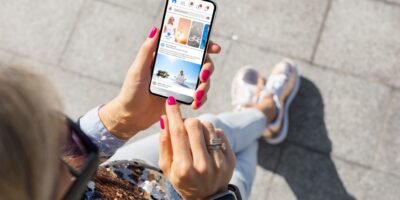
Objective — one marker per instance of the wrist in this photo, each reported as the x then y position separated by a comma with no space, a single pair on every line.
232,193
220,191
117,120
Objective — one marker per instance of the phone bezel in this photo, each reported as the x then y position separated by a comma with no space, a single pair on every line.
204,55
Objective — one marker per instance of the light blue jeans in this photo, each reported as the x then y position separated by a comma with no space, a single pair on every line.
242,130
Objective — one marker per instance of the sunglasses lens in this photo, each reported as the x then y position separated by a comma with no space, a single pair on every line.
74,152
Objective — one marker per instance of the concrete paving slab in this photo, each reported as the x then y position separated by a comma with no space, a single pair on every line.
262,184
381,186
149,6
5,57
40,30
327,114
394,1
353,128
303,174
388,156
351,176
287,26
362,37
106,41
79,94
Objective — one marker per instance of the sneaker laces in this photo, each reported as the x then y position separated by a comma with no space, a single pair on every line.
275,87
243,94
275,84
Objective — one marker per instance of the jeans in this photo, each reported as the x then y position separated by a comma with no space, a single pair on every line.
242,130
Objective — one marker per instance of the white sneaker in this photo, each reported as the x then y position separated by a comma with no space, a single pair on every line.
245,88
283,84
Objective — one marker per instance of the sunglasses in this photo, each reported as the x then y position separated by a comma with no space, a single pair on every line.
81,156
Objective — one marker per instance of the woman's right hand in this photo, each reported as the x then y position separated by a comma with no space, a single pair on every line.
195,171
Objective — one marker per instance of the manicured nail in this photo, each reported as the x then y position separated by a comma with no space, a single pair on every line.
198,104
199,95
153,32
219,132
205,75
171,101
162,123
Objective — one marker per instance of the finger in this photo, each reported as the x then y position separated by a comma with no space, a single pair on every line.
213,48
179,137
201,91
229,154
206,70
145,57
197,142
216,154
198,104
165,156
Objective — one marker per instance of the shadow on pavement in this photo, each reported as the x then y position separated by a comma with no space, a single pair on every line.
304,160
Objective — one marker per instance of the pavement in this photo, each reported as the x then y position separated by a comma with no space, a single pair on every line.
343,138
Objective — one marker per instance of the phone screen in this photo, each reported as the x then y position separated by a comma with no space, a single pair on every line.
182,47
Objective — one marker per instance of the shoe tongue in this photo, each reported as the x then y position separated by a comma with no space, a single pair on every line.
275,84
246,94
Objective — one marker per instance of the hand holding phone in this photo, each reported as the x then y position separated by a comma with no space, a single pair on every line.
134,103
181,51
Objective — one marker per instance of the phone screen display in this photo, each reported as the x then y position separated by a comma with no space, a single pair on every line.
182,48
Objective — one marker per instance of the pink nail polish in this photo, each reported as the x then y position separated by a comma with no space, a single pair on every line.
171,101
153,32
198,104
162,123
199,95
205,75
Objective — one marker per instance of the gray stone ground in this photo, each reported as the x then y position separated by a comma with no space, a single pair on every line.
344,125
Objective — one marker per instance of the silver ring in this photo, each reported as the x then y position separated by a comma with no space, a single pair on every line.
216,144
217,147
216,141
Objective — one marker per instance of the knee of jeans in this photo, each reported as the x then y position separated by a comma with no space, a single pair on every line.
217,124
210,118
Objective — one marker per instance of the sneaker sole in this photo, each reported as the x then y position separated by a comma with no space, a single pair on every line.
284,131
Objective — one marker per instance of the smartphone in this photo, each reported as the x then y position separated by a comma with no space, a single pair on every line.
181,48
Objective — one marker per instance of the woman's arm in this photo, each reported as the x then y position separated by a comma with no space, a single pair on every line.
107,143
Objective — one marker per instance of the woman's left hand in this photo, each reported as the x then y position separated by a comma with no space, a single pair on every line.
135,108
194,168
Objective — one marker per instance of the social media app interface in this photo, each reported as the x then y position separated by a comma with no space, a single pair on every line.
182,47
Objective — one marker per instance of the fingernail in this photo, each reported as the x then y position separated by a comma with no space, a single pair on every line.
162,123
198,104
199,95
153,32
205,75
219,132
171,101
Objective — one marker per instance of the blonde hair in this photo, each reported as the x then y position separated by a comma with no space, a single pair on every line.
29,136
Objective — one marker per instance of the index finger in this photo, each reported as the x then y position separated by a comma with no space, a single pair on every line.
179,137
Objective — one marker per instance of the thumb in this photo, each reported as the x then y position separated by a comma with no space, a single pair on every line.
145,57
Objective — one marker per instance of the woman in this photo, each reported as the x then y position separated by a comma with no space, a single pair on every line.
169,29
196,156
180,79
